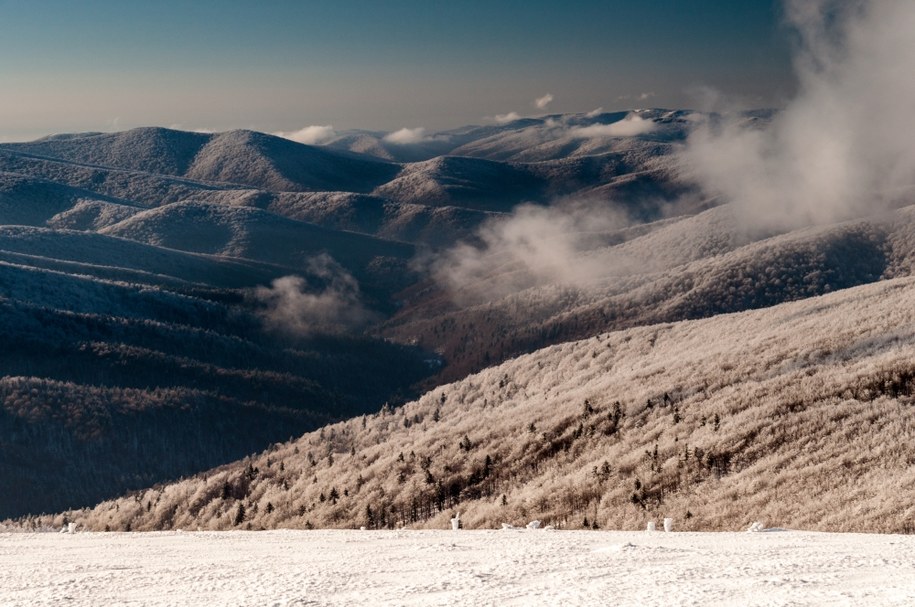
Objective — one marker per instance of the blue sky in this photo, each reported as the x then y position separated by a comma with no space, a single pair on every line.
281,65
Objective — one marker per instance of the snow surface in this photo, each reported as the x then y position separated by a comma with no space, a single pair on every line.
507,567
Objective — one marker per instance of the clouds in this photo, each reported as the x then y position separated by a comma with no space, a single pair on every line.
534,246
329,303
181,127
506,118
407,136
630,126
310,135
542,102
842,147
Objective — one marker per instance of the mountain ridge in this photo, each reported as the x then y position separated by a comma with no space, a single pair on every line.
309,284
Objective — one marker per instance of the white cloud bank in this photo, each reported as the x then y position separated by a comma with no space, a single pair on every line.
533,246
332,305
407,136
506,118
843,147
630,126
310,135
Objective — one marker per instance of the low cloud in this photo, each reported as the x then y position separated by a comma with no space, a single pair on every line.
506,118
328,302
534,246
310,135
181,127
631,125
842,147
595,112
406,136
542,102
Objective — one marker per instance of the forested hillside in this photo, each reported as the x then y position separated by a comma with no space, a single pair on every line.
800,415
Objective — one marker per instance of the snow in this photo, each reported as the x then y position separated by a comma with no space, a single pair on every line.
529,567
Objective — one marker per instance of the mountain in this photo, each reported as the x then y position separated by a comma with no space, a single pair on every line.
118,352
100,256
273,163
433,192
249,233
240,157
713,422
174,302
404,222
693,267
563,136
377,145
26,200
464,182
150,150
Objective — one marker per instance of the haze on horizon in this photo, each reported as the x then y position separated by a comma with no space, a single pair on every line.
103,65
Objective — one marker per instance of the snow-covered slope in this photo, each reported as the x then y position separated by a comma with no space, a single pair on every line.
798,415
243,157
467,568
273,163
405,222
150,149
26,200
691,267
250,233
103,256
466,182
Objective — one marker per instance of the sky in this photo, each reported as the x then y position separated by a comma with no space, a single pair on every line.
281,65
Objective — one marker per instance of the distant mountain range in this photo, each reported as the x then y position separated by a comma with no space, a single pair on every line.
173,302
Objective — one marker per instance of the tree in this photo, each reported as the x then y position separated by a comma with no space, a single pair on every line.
240,515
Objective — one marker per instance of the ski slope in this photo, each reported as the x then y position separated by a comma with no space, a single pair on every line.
505,567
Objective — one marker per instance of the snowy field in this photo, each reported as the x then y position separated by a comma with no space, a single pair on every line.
510,567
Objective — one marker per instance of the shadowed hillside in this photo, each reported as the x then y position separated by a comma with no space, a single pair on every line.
118,353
